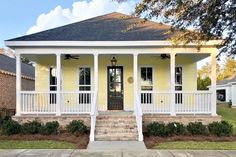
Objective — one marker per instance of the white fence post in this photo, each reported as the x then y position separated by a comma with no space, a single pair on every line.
172,84
213,84
58,74
18,84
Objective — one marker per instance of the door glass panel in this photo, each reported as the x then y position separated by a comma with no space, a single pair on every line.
118,75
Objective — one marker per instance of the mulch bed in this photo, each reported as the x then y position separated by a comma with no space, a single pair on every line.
80,141
151,141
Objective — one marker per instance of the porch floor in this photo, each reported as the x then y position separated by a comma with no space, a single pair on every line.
116,145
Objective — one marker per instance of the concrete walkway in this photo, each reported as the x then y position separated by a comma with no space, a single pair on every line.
116,145
137,153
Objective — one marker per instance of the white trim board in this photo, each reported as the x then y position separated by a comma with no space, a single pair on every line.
104,43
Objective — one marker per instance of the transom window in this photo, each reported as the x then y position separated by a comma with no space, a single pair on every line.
146,84
84,79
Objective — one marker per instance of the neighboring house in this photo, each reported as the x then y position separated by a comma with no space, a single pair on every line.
226,90
85,69
8,81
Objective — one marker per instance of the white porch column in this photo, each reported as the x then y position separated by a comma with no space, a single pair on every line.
58,74
18,84
135,77
213,84
96,74
172,84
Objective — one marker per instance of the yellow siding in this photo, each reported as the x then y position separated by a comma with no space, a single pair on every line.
161,69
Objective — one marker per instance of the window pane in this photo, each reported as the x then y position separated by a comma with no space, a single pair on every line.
81,76
118,75
149,75
87,76
143,74
53,80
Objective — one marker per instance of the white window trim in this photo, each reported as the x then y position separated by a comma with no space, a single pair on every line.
181,85
78,76
153,82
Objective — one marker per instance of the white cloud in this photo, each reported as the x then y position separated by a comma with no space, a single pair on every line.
80,10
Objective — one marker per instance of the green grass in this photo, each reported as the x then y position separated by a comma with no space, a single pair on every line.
44,144
228,114
202,145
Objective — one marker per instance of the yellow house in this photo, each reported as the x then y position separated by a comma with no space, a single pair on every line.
93,67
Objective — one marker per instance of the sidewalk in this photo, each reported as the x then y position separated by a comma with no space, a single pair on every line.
89,153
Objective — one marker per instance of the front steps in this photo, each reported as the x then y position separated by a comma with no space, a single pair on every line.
116,127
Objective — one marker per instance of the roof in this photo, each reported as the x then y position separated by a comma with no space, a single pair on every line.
227,80
8,64
110,27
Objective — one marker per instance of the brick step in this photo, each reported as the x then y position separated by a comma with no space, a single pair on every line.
116,120
115,116
115,131
122,125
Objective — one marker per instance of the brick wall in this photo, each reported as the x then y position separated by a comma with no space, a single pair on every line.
8,90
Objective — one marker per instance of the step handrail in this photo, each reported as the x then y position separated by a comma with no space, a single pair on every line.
139,118
93,114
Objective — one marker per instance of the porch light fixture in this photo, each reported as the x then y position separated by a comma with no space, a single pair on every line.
113,61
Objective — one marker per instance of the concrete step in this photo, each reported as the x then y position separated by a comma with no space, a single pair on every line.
117,137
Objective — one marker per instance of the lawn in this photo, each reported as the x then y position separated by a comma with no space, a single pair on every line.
200,145
44,144
228,114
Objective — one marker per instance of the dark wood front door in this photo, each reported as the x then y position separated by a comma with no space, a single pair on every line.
115,87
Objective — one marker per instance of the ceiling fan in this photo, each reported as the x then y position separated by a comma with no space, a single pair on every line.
164,56
68,57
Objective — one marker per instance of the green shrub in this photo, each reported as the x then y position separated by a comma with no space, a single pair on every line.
197,128
176,128
49,128
33,127
158,129
76,127
230,103
222,128
10,127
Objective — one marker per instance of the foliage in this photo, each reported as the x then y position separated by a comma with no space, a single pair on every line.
203,83
211,19
197,128
11,127
229,67
50,128
158,129
176,128
33,127
76,127
222,128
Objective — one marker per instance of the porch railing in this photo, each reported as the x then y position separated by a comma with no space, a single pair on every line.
46,102
193,102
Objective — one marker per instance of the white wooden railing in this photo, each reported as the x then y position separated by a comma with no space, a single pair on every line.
196,102
76,102
38,102
155,102
93,114
46,102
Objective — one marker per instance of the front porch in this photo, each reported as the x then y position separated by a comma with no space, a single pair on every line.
142,83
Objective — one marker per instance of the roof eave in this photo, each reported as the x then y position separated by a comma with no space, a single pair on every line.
14,44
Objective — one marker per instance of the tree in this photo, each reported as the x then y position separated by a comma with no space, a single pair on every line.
205,71
229,67
211,19
203,83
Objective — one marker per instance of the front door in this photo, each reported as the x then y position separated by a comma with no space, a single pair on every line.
115,87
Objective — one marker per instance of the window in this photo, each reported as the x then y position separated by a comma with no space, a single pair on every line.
178,85
84,79
146,84
84,85
52,84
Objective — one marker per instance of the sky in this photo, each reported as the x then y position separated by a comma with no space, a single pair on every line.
22,17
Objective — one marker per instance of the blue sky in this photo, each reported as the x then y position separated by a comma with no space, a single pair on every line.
18,16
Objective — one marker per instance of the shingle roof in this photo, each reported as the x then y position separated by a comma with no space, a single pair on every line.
9,65
109,27
228,80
